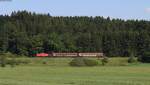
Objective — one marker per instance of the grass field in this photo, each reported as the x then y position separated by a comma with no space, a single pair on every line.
65,75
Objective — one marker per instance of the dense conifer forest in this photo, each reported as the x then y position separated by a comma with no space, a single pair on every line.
23,31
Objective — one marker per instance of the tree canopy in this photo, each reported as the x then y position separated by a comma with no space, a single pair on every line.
22,31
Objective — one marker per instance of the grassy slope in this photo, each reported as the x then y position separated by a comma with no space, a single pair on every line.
65,75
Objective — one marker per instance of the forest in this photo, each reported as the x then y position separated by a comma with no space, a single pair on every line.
23,31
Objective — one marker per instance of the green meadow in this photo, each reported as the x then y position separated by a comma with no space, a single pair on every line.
58,72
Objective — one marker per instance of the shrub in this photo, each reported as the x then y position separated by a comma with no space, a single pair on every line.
9,55
104,61
44,62
3,61
145,58
9,59
83,62
77,62
132,59
26,61
12,62
21,61
89,62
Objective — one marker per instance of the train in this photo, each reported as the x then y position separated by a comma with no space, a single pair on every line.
72,54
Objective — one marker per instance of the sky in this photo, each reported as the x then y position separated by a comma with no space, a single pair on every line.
125,9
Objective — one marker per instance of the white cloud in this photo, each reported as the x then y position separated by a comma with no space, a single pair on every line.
147,10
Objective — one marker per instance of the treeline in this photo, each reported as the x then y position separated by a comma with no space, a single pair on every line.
23,31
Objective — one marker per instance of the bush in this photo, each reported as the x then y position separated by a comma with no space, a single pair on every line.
116,61
9,55
104,60
132,59
3,61
145,58
77,62
12,62
83,62
9,59
25,61
89,62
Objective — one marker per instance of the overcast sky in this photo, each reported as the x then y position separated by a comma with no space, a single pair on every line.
125,9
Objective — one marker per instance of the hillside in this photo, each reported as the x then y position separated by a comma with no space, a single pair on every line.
22,31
